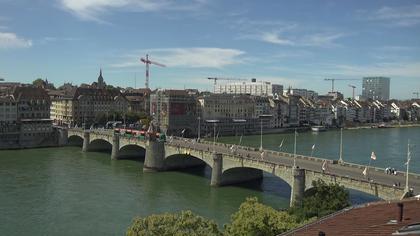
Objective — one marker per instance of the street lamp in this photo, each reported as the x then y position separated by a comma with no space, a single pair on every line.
408,164
341,146
294,151
214,132
199,125
261,131
238,121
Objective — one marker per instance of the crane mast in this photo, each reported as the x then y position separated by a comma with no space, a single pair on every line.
147,62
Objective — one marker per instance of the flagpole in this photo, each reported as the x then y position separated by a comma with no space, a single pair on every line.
367,170
294,151
408,164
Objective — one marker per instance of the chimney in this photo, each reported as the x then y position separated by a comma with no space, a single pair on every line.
400,211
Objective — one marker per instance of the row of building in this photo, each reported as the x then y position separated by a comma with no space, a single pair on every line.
181,112
244,107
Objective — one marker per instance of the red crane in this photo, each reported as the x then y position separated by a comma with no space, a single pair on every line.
148,62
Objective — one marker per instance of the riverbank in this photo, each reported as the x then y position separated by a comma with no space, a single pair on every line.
386,125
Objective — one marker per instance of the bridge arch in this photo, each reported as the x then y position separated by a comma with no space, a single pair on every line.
100,145
131,150
180,161
243,174
75,140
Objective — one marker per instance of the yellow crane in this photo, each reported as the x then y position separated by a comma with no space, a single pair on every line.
333,80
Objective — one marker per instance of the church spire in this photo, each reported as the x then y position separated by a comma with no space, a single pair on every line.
101,83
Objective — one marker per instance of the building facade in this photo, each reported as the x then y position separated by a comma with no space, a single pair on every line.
257,88
87,106
376,88
174,112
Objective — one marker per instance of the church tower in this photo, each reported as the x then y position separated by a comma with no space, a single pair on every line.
101,83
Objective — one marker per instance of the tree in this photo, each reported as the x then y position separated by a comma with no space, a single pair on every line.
254,218
168,224
38,82
321,200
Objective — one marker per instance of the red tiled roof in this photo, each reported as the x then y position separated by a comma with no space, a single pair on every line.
369,219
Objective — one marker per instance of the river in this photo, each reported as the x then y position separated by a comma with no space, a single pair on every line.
63,191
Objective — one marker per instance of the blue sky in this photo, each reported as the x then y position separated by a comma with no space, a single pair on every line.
294,43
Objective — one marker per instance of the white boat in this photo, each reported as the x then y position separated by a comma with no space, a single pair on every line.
318,128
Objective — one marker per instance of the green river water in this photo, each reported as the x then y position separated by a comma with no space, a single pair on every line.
62,191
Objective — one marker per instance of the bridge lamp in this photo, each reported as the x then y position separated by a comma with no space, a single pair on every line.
262,117
238,121
214,132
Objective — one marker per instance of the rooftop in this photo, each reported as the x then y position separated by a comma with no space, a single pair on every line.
379,218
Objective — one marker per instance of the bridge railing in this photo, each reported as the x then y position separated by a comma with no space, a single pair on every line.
316,159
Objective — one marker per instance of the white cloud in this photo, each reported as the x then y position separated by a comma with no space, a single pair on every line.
188,57
309,40
92,9
404,16
11,40
271,37
322,39
385,69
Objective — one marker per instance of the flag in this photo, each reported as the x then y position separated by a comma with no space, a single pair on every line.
408,160
313,147
365,171
262,155
373,156
281,144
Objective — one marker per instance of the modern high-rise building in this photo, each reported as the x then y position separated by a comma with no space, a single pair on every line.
257,88
376,88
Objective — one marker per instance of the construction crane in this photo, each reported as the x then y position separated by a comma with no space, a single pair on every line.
353,87
416,93
332,82
219,78
147,62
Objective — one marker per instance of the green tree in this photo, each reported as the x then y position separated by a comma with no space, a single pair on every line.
38,82
321,200
169,224
254,218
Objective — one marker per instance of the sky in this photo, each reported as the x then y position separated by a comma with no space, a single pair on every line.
293,43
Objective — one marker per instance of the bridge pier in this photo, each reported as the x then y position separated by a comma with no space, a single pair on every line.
115,146
155,156
62,137
217,170
86,141
298,187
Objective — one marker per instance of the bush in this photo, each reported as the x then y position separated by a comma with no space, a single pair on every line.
169,224
321,200
254,218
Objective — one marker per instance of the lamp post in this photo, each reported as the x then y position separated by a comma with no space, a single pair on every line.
261,131
408,165
238,121
341,146
199,126
214,133
294,151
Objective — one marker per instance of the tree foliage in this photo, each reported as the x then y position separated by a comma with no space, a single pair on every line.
254,218
38,82
321,200
169,224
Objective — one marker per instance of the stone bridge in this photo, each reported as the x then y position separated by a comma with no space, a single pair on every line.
242,164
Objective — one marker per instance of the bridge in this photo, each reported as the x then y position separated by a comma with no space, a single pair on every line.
241,164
